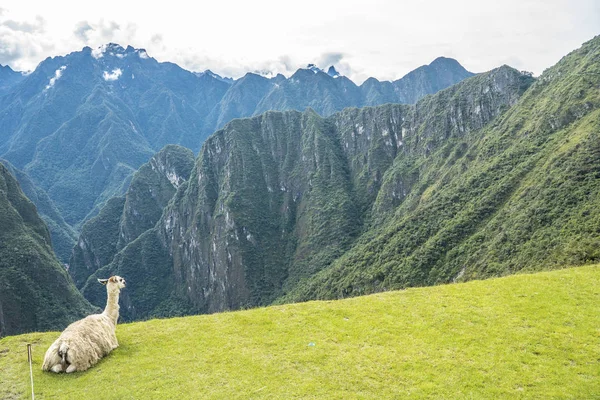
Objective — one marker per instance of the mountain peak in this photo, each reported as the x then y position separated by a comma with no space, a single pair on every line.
313,68
6,68
116,50
218,77
446,61
333,72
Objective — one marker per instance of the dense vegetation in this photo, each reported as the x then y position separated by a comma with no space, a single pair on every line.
80,125
491,176
521,193
123,219
63,235
36,292
276,198
520,337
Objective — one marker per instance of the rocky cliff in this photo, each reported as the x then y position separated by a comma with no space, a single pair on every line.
277,198
125,218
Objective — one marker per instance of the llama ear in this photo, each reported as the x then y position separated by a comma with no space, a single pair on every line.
103,281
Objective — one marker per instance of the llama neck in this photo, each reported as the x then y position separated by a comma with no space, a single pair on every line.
112,306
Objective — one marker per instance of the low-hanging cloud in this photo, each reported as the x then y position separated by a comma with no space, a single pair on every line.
102,31
82,29
21,41
39,26
57,75
112,76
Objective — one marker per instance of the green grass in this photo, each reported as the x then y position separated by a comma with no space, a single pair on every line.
523,336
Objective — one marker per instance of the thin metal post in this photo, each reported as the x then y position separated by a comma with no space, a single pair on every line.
30,359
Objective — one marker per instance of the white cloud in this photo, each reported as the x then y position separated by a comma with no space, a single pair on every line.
112,76
57,74
385,39
23,42
99,51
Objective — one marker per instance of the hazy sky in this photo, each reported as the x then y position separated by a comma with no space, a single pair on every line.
380,38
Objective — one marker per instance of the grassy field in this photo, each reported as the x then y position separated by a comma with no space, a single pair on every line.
523,336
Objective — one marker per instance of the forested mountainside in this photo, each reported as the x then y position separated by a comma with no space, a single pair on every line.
274,199
8,78
63,235
36,293
124,218
81,124
521,193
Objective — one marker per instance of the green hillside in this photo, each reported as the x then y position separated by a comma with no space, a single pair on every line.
521,193
36,293
524,336
272,200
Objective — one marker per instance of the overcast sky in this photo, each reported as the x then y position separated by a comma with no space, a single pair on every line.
380,38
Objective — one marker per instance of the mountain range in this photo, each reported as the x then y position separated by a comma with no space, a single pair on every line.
494,175
79,125
274,199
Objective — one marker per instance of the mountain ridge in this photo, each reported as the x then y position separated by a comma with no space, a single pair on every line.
212,241
491,176
111,108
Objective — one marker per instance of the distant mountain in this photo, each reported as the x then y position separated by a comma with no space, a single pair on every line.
8,78
429,79
109,110
494,175
63,235
80,125
123,219
213,75
275,199
329,92
36,293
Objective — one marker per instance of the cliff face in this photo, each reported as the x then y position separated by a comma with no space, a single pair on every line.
274,199
123,219
519,194
63,235
36,292
153,185
111,108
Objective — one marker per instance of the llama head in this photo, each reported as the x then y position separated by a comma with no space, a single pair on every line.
113,283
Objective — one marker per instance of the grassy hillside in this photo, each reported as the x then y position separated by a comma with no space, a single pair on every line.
524,336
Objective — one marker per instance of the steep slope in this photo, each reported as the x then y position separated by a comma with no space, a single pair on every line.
36,292
312,88
63,235
8,78
522,192
428,79
123,219
519,337
327,93
110,109
276,198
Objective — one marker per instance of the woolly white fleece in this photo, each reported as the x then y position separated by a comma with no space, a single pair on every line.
86,341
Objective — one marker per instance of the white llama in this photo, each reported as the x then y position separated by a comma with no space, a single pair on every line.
86,341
